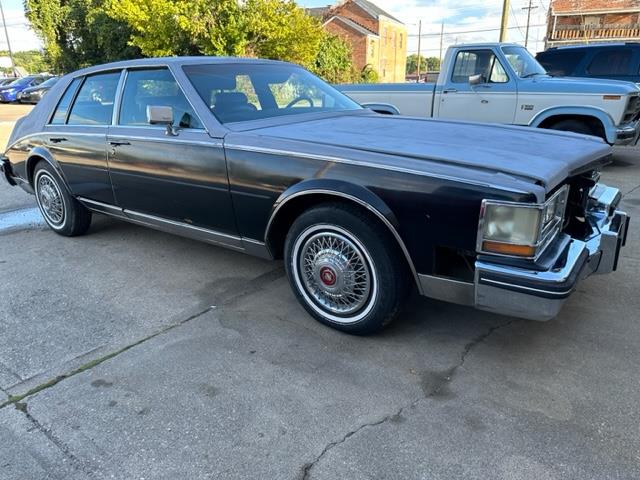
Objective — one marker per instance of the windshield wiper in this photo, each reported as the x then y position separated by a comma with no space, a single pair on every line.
532,74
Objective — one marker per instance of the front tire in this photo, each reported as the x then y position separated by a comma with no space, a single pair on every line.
574,126
63,214
345,269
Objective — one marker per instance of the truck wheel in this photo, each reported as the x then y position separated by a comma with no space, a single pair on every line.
575,126
345,269
63,213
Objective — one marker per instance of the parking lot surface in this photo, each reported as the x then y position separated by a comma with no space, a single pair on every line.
131,354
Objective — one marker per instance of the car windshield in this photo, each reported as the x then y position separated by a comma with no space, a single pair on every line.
522,62
21,81
49,83
240,92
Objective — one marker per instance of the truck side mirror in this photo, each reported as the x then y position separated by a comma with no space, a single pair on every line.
476,79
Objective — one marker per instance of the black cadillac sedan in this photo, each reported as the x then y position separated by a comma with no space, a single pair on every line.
264,158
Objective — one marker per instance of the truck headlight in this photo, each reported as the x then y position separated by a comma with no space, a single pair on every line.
520,229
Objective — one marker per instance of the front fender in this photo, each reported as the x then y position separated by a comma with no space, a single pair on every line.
595,112
339,189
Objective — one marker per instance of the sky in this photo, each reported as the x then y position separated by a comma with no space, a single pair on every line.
461,16
20,34
457,15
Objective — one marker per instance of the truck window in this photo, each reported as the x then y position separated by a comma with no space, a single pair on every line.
478,62
560,63
611,61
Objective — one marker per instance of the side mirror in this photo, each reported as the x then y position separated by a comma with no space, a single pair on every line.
476,79
162,115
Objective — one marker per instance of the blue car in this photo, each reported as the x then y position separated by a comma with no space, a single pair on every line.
9,93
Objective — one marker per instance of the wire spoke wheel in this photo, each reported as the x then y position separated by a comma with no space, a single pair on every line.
336,272
50,199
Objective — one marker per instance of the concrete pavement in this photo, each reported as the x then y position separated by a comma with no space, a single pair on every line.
144,355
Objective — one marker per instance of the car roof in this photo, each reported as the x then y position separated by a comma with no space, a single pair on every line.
165,61
594,45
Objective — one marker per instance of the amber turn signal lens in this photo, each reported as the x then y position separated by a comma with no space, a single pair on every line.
509,249
611,97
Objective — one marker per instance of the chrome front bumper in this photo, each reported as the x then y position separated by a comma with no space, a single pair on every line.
628,134
539,295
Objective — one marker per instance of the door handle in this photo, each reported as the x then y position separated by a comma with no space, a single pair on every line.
57,139
450,90
118,143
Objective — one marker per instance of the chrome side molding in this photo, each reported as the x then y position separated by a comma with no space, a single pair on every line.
233,242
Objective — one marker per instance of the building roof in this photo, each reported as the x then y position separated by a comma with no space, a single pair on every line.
374,10
350,23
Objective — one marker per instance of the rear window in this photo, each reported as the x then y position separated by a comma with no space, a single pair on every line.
94,103
560,63
612,61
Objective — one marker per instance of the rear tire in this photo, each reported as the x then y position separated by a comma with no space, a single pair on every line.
63,214
345,269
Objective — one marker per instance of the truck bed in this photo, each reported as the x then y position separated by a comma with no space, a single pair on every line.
414,99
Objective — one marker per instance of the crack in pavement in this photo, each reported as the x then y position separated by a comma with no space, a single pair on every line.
631,191
445,379
226,298
59,444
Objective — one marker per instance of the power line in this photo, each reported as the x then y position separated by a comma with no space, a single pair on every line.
470,31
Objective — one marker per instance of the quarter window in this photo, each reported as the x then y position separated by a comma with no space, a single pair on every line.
155,87
478,62
60,115
94,103
611,62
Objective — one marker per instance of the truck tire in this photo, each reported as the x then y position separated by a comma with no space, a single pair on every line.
575,126
63,214
345,269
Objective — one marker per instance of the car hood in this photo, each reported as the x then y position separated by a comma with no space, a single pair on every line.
547,84
543,157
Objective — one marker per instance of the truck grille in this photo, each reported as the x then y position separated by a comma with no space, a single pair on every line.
632,113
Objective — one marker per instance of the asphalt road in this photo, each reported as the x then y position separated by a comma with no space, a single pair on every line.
145,355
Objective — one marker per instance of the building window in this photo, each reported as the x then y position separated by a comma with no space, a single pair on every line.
592,20
400,40
373,48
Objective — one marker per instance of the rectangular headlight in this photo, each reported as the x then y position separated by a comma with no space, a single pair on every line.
520,229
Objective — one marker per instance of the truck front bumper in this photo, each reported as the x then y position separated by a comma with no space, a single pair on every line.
539,295
628,133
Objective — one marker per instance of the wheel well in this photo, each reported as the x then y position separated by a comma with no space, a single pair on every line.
31,166
295,207
594,124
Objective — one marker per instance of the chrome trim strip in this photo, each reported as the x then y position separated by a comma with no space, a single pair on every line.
185,229
384,220
101,207
212,143
448,289
327,158
117,102
530,289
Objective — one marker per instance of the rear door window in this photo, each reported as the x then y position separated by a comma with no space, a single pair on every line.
612,61
94,103
60,114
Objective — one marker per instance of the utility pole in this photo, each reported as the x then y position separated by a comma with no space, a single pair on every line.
526,35
505,20
419,39
6,34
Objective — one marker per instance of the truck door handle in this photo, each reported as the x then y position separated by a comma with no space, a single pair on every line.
118,143
450,90
57,139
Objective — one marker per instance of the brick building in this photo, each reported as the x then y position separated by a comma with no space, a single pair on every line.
583,21
376,37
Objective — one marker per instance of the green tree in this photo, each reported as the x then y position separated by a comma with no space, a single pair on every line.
77,33
33,61
426,64
333,60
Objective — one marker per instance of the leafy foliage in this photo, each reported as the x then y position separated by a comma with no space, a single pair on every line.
431,64
33,61
77,33
333,61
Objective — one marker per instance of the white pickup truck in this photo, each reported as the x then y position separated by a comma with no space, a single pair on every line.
503,83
